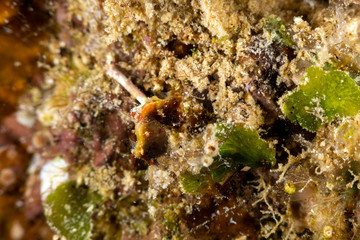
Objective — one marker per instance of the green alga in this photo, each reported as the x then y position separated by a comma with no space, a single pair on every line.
69,209
239,146
321,97
278,31
193,183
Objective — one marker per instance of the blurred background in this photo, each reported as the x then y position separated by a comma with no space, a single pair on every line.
25,26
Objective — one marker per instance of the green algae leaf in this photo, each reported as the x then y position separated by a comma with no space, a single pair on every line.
244,145
69,210
193,183
239,146
222,168
322,97
297,109
278,31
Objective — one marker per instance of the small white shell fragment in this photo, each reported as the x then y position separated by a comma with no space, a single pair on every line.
52,174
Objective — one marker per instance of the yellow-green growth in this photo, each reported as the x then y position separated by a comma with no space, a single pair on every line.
244,145
222,168
69,209
278,31
322,97
193,183
290,188
240,146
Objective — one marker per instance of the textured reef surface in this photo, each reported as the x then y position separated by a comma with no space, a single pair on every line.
185,119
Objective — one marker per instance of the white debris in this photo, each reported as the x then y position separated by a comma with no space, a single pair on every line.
160,179
52,175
